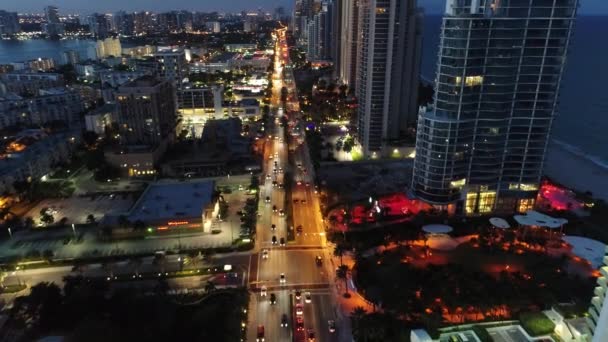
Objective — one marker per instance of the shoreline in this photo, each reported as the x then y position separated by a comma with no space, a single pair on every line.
575,170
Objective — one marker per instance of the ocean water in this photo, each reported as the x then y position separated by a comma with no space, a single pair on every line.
581,126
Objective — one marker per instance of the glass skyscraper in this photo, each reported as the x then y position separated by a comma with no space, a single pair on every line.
481,146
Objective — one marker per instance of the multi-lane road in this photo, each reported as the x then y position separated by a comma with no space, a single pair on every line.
293,182
296,260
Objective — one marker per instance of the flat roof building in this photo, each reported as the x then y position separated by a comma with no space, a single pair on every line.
167,205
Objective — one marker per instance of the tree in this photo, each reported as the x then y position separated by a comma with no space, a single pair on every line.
139,225
46,217
342,273
123,221
42,306
91,219
356,317
284,93
339,250
48,255
93,159
210,286
89,138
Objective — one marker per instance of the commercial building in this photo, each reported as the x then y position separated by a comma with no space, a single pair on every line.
166,206
9,23
390,40
481,146
241,47
146,111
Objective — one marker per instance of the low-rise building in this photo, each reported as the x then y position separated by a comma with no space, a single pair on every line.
170,205
51,105
30,82
86,70
139,51
243,47
32,154
139,161
101,118
40,64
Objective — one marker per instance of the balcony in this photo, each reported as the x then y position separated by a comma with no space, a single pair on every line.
604,271
597,303
590,322
599,292
594,314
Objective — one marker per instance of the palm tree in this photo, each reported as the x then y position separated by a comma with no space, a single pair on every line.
210,286
356,317
343,274
339,251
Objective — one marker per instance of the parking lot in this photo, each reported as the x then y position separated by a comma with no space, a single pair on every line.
85,242
76,209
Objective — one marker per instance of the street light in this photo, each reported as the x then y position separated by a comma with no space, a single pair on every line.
10,233
74,230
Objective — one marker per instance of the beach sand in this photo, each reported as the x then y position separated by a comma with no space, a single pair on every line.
576,172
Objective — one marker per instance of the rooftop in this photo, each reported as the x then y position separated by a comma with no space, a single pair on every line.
143,81
173,200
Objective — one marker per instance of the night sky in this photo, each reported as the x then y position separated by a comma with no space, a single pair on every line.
599,7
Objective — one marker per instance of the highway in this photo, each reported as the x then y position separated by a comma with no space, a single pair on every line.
296,259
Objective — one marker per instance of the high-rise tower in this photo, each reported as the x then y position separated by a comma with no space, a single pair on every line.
389,48
481,146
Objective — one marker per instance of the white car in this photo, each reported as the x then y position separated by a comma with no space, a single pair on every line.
299,310
307,297
264,291
282,279
264,254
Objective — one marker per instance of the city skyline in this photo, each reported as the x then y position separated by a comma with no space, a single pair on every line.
431,7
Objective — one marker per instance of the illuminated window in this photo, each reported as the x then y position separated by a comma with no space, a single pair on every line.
528,187
525,204
458,183
486,201
470,204
380,10
494,130
513,186
470,80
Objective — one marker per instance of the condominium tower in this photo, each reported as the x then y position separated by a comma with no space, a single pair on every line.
389,48
146,111
481,146
347,20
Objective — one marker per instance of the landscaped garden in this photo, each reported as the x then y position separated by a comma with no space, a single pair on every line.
479,280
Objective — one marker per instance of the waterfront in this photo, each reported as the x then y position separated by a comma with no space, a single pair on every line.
579,129
18,50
